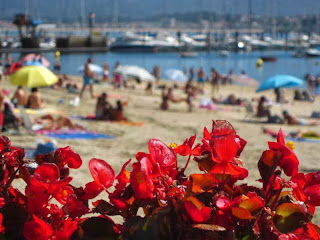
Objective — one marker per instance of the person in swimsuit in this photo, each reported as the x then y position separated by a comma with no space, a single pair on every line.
35,100
292,120
87,78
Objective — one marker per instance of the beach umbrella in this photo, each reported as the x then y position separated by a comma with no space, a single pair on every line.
33,76
32,63
175,75
135,71
244,80
280,81
93,68
33,59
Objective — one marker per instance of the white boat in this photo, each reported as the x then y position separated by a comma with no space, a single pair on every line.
312,52
131,42
190,44
188,54
224,53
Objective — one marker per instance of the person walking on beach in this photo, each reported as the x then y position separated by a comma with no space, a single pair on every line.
214,81
201,78
105,76
87,78
157,73
191,74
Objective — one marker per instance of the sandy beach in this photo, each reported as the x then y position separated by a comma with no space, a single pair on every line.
173,125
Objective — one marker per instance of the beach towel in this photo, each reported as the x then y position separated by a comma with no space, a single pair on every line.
304,139
289,138
123,122
74,134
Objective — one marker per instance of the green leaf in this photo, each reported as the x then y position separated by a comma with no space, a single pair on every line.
289,217
97,227
267,164
241,213
253,205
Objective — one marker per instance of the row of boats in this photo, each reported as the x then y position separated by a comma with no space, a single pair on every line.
131,42
186,44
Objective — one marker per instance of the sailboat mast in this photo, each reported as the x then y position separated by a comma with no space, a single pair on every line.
250,17
274,21
82,10
26,7
115,12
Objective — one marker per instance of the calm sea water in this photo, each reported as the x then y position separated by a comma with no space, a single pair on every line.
246,61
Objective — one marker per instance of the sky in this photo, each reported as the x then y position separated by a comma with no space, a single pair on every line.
58,10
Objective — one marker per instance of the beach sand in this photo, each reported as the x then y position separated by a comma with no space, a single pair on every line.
173,125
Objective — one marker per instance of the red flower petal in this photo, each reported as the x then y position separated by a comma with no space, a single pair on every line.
235,171
5,143
37,229
91,190
141,184
280,137
65,232
101,172
183,150
222,128
224,148
72,159
191,140
2,228
196,210
289,164
161,153
206,134
47,172
312,188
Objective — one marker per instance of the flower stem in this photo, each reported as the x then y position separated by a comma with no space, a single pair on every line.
185,167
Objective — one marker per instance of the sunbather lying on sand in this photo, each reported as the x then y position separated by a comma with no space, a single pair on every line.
169,96
293,120
48,122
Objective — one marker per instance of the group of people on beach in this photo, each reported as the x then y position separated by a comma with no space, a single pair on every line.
264,110
105,110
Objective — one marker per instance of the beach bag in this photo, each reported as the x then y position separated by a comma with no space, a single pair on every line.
315,115
275,119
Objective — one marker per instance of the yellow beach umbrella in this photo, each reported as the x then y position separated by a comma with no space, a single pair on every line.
33,76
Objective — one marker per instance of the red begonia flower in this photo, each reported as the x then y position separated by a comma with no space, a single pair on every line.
37,229
101,172
72,159
224,146
186,148
46,178
288,160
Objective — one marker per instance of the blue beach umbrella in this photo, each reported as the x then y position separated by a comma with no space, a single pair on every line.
175,75
280,81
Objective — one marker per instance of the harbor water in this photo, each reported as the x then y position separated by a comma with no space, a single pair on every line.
246,61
